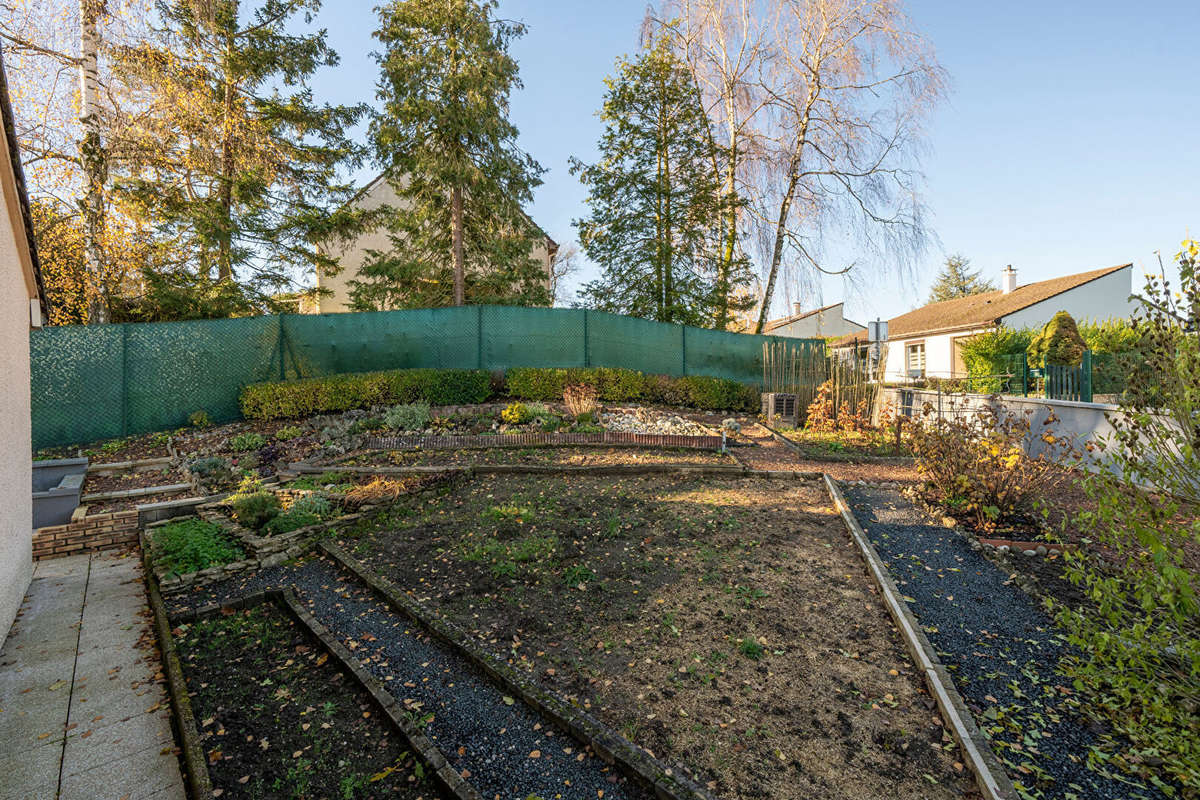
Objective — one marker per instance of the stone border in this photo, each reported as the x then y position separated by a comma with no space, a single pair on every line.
898,461
183,719
265,548
285,600
990,775
711,470
609,745
85,534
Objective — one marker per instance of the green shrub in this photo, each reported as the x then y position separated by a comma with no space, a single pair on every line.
254,510
530,383
516,414
615,385
283,399
199,419
364,425
1059,343
288,521
711,394
312,504
288,432
245,442
189,545
407,417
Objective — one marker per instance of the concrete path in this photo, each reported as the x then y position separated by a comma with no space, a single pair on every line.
81,714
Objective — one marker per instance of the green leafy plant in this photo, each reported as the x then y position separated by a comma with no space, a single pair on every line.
255,509
1136,657
335,393
407,417
189,545
244,442
288,521
312,504
577,574
199,419
1059,342
516,414
750,648
288,432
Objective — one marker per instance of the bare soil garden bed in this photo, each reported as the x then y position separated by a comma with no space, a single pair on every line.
726,625
574,456
278,718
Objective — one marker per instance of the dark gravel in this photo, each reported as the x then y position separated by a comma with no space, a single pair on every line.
999,645
477,727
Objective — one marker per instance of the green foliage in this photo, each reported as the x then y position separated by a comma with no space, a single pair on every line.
443,135
750,648
288,432
289,521
283,399
245,442
516,414
199,419
655,202
614,385
1058,343
255,509
956,280
189,545
1137,656
993,353
312,504
407,416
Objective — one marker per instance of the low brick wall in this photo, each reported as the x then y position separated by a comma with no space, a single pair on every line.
87,534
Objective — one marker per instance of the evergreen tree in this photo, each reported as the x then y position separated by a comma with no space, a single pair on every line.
233,163
447,147
654,199
956,280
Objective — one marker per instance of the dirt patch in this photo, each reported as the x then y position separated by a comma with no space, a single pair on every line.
726,625
566,456
279,719
847,445
771,454
97,483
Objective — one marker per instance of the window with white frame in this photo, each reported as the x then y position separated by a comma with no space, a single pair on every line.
914,358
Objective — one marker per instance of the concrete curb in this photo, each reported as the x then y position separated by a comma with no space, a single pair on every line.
993,781
287,602
609,745
183,719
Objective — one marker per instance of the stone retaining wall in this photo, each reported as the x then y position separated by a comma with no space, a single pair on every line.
86,534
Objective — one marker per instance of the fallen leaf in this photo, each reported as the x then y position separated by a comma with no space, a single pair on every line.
535,754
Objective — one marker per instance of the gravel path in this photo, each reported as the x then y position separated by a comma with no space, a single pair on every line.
1000,646
498,743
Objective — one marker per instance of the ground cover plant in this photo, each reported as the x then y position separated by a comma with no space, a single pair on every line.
279,719
725,624
191,544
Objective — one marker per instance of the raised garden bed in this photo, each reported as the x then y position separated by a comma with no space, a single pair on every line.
847,445
279,718
725,624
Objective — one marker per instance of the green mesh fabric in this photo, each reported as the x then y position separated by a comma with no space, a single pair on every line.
96,382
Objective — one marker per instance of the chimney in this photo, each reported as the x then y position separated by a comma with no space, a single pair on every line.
797,309
1008,279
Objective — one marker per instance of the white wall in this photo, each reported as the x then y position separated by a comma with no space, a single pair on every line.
1101,299
939,355
352,255
829,322
16,478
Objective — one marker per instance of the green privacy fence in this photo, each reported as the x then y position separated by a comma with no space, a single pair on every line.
96,382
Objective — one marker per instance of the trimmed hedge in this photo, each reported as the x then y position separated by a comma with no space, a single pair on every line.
302,398
444,387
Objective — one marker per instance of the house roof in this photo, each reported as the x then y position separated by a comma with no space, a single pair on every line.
779,323
979,310
31,264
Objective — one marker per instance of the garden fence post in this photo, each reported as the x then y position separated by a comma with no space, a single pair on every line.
282,371
683,349
587,346
1085,377
124,379
479,336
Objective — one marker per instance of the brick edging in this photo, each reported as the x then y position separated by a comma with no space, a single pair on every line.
287,602
607,743
990,775
107,531
183,718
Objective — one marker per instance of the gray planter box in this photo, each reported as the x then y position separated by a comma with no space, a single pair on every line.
57,484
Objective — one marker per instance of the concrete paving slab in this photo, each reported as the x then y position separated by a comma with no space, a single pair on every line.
154,774
62,567
90,747
30,775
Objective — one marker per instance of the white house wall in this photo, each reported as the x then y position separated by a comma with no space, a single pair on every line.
1101,299
823,325
939,355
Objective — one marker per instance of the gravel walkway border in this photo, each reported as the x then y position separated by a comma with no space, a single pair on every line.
992,779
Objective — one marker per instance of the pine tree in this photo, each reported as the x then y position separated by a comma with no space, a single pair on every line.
654,199
956,280
448,149
234,163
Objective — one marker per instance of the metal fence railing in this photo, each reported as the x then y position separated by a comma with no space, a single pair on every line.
93,382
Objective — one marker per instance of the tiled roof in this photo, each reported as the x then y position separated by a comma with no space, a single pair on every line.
979,310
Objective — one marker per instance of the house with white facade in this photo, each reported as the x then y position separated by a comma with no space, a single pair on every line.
353,253
819,323
22,307
927,342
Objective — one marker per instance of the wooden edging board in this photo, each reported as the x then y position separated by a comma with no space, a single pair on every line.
195,766
993,781
286,601
715,470
609,745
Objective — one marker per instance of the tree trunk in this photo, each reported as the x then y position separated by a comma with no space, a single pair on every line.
225,241
456,222
785,207
92,158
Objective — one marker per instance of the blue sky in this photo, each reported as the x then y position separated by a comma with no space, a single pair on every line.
1070,139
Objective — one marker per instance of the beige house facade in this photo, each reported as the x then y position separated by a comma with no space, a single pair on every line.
351,255
819,323
21,308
